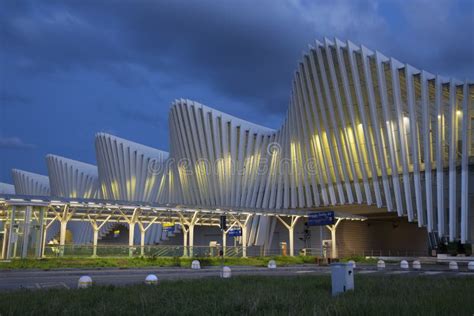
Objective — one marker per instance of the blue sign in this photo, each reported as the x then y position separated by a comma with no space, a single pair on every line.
235,232
321,218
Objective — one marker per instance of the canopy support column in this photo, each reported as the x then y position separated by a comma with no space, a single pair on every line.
143,230
243,226
63,220
132,220
291,231
45,233
332,229
188,243
96,228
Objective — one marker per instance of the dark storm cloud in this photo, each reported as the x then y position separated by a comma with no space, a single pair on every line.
246,50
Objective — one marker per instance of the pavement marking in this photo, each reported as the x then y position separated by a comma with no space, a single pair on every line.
398,272
433,272
466,273
306,271
366,272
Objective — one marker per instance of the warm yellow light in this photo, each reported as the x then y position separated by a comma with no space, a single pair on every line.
406,120
439,117
459,113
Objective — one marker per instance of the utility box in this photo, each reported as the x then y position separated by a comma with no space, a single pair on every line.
342,277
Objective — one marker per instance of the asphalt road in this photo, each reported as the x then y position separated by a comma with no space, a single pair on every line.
67,278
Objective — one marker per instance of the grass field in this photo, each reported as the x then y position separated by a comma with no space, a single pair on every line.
54,263
309,295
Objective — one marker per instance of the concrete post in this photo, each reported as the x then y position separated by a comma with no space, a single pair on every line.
244,241
291,235
142,242
333,243
62,236
185,242
131,236
224,242
191,240
95,241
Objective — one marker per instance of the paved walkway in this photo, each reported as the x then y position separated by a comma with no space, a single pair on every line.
67,278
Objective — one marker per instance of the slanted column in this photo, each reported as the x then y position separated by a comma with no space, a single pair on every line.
332,229
45,233
291,231
26,231
39,239
8,251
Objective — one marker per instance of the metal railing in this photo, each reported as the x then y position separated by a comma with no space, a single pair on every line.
74,250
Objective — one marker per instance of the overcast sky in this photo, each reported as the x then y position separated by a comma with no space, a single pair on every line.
70,69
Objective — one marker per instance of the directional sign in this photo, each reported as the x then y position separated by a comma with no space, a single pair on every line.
321,218
235,232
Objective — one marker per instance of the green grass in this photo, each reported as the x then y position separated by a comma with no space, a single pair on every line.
309,295
55,263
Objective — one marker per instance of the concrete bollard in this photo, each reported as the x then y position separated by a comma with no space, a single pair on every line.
416,265
353,263
151,279
272,264
380,265
85,281
195,265
470,266
404,264
226,272
453,266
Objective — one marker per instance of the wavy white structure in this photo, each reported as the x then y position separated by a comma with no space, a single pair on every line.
74,179
71,178
28,183
361,128
129,171
6,188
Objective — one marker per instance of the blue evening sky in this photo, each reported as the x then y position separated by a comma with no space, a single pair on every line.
70,69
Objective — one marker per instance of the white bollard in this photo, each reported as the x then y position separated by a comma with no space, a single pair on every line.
453,265
470,266
151,279
196,265
380,265
404,264
272,264
226,272
85,281
416,265
353,263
